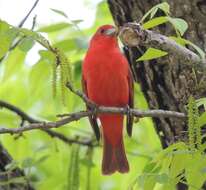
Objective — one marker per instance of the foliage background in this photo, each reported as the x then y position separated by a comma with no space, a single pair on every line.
47,161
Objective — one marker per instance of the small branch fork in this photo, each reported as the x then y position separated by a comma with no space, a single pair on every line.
28,14
25,117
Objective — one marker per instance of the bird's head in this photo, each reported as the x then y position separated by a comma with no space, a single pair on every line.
106,34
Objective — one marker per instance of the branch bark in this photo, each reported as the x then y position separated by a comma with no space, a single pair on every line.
133,35
101,109
25,117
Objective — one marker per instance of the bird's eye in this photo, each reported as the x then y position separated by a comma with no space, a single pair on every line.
102,31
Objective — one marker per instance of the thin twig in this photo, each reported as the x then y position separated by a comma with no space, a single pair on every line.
27,16
85,142
24,116
81,95
22,38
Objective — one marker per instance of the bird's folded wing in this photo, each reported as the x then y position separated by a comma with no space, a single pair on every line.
92,118
130,118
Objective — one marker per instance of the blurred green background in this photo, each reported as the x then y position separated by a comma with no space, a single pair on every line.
47,160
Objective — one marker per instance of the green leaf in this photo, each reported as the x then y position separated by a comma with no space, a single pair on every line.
34,35
66,45
41,159
26,44
87,162
199,50
202,119
167,152
155,22
151,168
178,164
13,63
7,35
55,27
4,26
12,165
4,45
146,182
163,6
201,101
179,24
193,172
184,42
152,53
179,40
41,148
40,72
60,12
102,14
162,178
152,14
76,21
47,56
20,180
28,162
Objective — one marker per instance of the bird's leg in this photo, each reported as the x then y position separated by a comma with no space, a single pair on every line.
129,114
94,109
128,111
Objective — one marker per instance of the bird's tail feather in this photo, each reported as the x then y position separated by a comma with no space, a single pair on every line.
114,158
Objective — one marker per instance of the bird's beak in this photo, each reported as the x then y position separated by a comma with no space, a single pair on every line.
111,32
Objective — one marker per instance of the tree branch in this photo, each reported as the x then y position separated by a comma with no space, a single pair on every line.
101,109
85,142
25,117
132,34
20,40
81,95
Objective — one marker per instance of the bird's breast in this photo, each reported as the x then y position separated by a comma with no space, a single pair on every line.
107,82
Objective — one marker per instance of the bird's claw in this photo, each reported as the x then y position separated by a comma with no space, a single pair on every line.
94,108
129,114
128,111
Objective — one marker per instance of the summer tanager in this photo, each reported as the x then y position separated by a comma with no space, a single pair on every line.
107,81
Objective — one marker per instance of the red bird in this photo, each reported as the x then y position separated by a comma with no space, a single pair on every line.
107,81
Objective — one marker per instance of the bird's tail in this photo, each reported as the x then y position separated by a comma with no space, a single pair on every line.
114,157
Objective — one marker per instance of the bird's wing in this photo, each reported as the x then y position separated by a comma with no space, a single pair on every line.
130,118
92,118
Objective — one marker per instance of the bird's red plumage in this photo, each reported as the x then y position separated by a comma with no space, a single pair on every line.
105,75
